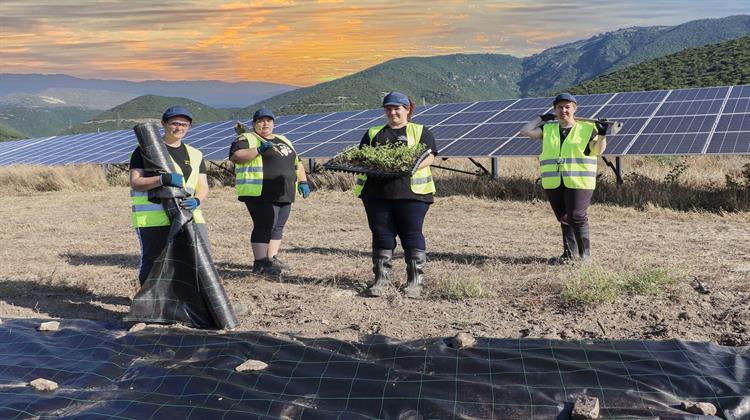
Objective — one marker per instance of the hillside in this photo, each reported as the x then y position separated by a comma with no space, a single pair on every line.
467,77
80,98
212,92
450,78
42,121
725,63
8,133
557,68
148,108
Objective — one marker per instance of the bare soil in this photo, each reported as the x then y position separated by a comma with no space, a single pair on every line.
73,255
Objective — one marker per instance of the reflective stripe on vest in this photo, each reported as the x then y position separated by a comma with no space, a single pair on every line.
421,181
248,176
148,214
567,162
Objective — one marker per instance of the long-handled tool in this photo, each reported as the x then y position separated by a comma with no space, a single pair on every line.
613,127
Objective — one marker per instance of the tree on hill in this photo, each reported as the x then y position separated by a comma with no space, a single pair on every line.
8,133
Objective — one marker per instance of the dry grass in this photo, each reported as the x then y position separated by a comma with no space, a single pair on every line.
71,253
28,179
713,184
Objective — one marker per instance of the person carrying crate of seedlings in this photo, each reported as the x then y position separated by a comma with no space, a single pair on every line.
397,206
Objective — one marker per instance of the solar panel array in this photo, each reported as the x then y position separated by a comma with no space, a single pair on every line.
713,120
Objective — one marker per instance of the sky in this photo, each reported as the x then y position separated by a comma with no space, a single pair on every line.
301,42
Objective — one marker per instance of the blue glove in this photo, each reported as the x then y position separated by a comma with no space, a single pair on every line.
174,180
304,189
191,203
264,146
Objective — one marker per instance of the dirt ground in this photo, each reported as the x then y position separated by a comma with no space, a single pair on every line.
74,255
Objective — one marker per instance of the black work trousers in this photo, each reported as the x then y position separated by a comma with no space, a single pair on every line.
269,220
570,205
389,218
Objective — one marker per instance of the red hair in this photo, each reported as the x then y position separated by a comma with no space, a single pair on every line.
412,105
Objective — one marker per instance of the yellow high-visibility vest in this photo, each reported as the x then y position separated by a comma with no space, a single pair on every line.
421,181
248,176
148,214
567,161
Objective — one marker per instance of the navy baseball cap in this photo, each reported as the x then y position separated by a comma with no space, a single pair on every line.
396,98
174,111
564,97
263,112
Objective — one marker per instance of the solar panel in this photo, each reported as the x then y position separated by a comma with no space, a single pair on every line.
729,143
714,120
493,106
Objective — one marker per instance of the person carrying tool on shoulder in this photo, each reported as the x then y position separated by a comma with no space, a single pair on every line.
568,165
268,174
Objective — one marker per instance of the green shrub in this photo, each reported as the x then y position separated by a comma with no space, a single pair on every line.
592,284
457,289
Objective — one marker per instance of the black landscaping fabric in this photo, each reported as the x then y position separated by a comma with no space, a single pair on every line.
104,371
183,285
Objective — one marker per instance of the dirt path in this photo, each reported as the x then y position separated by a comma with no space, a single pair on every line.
73,255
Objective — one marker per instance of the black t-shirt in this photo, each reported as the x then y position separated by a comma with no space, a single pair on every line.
179,154
395,188
279,172
564,134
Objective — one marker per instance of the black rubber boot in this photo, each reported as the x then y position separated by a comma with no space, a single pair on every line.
584,244
570,247
381,267
415,262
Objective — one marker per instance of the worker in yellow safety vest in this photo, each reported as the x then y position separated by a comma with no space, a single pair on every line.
268,175
149,219
398,206
568,165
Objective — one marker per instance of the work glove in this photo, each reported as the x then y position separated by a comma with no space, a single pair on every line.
191,203
172,179
601,126
304,189
547,117
265,145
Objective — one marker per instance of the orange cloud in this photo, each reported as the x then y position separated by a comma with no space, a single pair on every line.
285,41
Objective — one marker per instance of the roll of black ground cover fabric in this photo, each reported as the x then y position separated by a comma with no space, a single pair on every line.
183,285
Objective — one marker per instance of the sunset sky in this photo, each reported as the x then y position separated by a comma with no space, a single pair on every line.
300,42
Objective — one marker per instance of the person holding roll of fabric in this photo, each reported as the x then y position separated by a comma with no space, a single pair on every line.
398,206
151,222
268,174
568,165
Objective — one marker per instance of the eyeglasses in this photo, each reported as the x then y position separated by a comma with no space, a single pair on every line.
179,124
